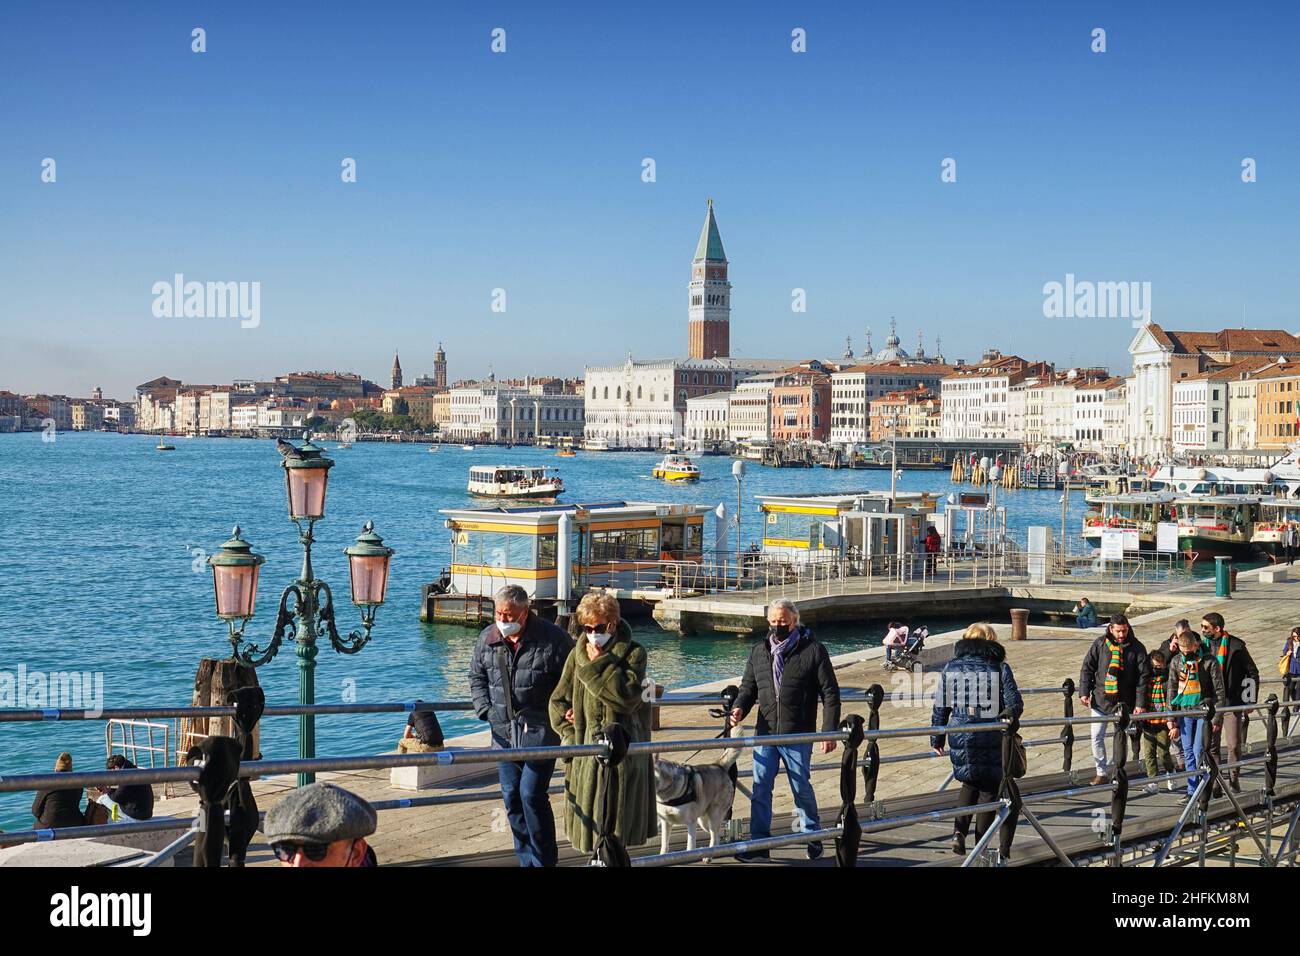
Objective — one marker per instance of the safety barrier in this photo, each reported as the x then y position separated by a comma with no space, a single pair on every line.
611,749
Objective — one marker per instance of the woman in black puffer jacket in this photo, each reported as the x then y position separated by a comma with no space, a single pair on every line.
976,686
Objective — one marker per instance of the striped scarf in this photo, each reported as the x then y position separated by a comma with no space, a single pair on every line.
1191,681
1158,699
1111,687
1223,650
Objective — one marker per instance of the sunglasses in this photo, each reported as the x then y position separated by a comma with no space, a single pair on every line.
595,629
285,852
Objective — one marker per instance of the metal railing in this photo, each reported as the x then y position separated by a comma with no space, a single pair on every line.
854,732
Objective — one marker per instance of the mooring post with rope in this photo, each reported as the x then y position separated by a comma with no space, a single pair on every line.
846,844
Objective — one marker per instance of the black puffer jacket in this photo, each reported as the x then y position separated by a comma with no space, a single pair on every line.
55,809
806,677
534,671
1134,677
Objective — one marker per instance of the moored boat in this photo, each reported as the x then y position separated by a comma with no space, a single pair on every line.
1139,512
1278,521
1214,525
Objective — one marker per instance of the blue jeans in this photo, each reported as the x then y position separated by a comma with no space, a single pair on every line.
1191,733
797,760
528,807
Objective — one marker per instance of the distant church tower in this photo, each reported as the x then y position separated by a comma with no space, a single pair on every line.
710,295
397,371
440,368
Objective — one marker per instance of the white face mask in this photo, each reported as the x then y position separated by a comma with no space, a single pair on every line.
600,640
509,628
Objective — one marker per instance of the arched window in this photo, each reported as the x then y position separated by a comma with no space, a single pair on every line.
638,391
682,395
607,391
618,392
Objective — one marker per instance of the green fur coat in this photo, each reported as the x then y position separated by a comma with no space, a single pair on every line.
606,690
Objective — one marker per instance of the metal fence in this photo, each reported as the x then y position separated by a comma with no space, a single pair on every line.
860,737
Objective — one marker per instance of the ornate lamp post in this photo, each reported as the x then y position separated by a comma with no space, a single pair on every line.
306,608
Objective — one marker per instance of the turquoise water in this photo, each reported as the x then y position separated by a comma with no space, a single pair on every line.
103,536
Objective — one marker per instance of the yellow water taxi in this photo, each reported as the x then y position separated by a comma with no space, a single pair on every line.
676,468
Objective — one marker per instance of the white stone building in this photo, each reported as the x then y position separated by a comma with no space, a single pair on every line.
708,418
750,416
490,411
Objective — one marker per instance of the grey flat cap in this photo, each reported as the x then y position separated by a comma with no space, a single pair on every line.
319,813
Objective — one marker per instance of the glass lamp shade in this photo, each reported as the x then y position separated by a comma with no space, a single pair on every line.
234,577
236,590
306,489
368,562
369,578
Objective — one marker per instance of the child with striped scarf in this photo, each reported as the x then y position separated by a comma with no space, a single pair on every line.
1156,733
1194,678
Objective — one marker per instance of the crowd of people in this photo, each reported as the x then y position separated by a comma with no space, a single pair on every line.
537,686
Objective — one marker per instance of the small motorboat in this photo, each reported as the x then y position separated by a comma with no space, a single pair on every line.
466,447
163,446
676,468
433,448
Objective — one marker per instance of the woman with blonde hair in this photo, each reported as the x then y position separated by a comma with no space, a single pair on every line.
603,683
976,686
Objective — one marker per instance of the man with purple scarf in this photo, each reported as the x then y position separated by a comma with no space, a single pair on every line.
787,673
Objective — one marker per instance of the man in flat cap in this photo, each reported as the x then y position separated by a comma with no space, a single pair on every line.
321,825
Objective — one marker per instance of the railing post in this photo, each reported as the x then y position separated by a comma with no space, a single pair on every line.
1067,731
846,844
1270,747
1119,798
871,764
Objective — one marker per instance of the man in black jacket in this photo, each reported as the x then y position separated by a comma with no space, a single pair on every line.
1241,684
516,665
134,802
1115,671
786,674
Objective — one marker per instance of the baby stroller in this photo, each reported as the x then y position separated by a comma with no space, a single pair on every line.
910,655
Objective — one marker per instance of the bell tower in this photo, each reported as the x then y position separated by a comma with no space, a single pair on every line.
710,295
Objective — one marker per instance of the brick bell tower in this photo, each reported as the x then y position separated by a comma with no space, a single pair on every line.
710,295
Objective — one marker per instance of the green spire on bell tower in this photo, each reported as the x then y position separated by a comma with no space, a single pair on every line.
710,245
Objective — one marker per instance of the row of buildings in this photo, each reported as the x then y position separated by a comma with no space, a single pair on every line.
63,413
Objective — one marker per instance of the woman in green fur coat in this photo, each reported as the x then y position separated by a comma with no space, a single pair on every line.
602,684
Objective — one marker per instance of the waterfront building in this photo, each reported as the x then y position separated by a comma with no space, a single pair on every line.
155,404
282,416
1088,422
749,410
975,399
1277,405
244,416
327,385
707,417
914,414
854,388
709,323
440,409
42,408
494,411
801,403
214,411
86,416
1162,357
414,400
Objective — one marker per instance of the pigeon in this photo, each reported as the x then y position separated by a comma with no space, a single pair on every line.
286,449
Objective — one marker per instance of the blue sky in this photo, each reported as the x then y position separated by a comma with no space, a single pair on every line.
522,171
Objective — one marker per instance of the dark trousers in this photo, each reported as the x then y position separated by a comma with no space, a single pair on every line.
524,787
1290,691
984,792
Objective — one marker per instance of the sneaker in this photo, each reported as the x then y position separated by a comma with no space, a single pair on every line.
1169,785
754,856
815,850
1099,780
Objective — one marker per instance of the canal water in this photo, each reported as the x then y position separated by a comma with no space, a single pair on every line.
102,573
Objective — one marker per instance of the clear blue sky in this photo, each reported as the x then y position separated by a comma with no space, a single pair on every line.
523,171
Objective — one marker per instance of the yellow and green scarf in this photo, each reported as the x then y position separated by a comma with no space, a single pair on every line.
1113,669
1191,681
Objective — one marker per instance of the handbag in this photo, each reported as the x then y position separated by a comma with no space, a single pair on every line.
1284,663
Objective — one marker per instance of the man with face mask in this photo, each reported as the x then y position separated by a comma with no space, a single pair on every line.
787,673
516,665
1241,685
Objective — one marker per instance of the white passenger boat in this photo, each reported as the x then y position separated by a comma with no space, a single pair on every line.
515,481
